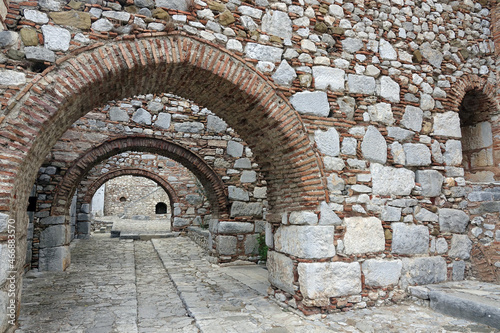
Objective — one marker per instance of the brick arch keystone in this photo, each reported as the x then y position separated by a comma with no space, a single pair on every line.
210,180
164,184
184,65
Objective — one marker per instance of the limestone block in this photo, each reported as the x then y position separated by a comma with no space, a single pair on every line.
327,142
277,23
422,214
421,271
328,78
336,11
236,193
363,235
180,222
4,221
142,116
50,5
453,220
235,227
239,208
387,52
391,181
243,163
83,228
461,246
447,124
250,11
349,146
36,16
12,78
263,52
234,149
188,127
39,53
85,208
251,244
80,20
458,272
434,57
381,273
260,192
381,112
118,114
226,245
333,163
398,153
391,214
400,134
328,216
102,25
303,217
453,154
374,147
55,235
4,261
4,302
55,38
412,118
360,84
477,136
315,103
280,271
305,241
347,106
431,182
163,120
248,176
389,89
335,183
285,74
173,4
54,258
53,220
269,235
329,279
352,45
417,154
441,246
410,239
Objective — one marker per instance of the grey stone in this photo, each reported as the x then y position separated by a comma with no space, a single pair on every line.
352,45
243,163
421,271
327,142
102,25
441,246
277,23
155,106
399,134
389,89
85,208
235,227
423,215
250,11
8,38
236,193
4,221
226,245
39,53
361,188
307,102
374,147
419,292
248,23
248,176
305,241
12,78
391,181
285,74
55,38
417,154
328,216
460,247
239,208
163,120
328,78
303,217
447,124
434,57
118,114
144,3
194,199
329,279
180,222
477,136
280,269
360,84
36,16
398,153
363,235
391,214
54,258
142,116
263,52
189,127
453,154
216,124
427,102
381,273
453,220
387,52
234,149
173,4
458,272
412,118
50,220
50,5
431,182
347,105
381,112
260,192
410,239
84,228
349,146
333,163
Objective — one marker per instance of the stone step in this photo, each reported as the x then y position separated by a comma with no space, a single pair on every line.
146,237
471,300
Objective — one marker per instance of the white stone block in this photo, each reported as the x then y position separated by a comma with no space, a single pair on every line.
305,241
363,235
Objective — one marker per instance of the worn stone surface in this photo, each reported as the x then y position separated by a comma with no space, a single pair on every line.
263,52
388,180
328,78
303,217
410,239
389,89
55,38
235,227
453,220
417,154
305,241
315,103
118,114
280,269
277,23
381,273
374,147
381,112
80,20
412,118
425,270
246,209
327,142
360,84
284,74
12,78
460,247
431,182
447,124
363,235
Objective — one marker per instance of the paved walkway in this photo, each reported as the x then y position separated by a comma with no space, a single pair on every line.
167,285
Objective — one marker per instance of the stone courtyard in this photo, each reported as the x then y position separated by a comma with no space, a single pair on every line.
168,285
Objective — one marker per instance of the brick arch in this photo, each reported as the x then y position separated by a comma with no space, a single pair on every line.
215,188
172,195
177,63
469,83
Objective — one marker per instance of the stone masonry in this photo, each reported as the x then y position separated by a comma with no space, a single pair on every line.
373,126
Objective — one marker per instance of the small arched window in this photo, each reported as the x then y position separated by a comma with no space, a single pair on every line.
161,208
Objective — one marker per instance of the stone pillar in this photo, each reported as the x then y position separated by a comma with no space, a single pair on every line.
54,244
83,223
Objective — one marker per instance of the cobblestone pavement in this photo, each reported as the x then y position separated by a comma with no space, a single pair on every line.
168,285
